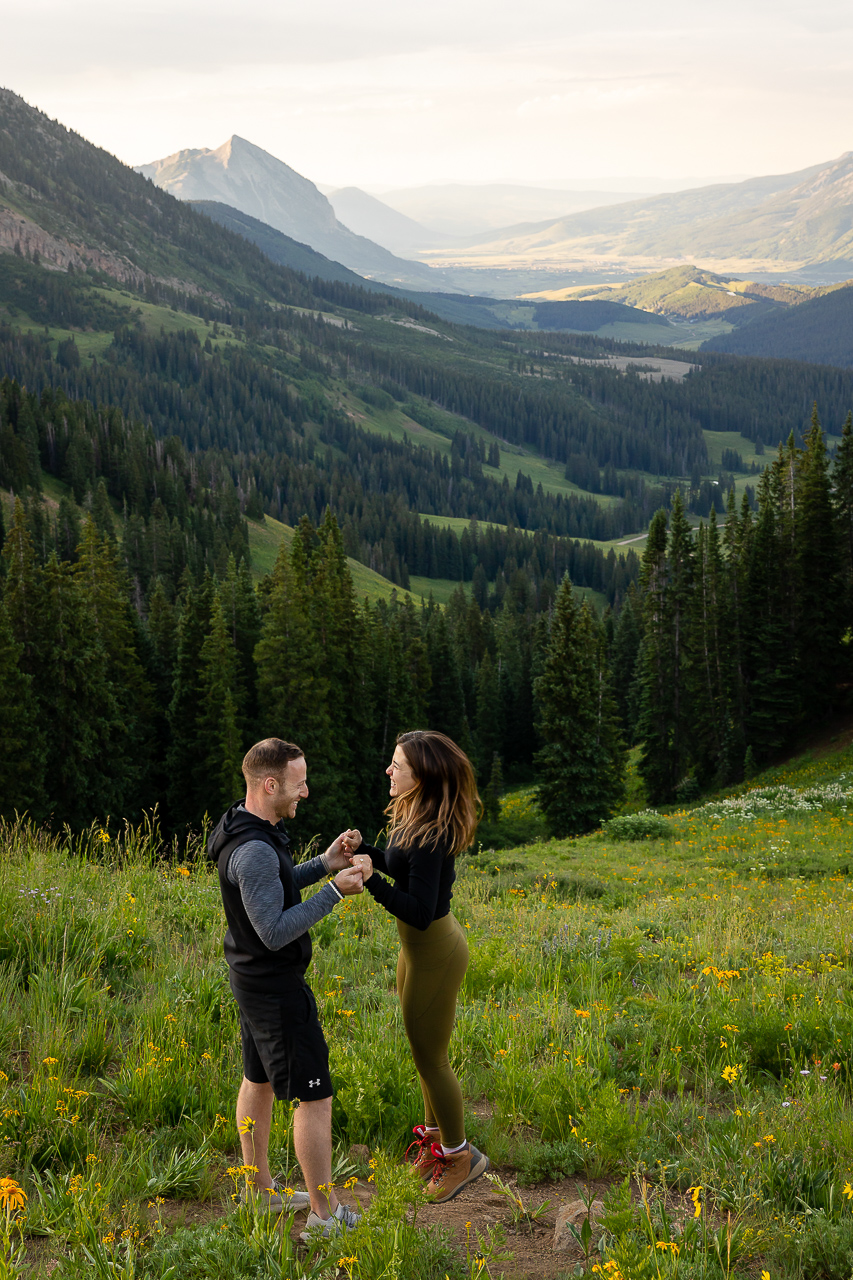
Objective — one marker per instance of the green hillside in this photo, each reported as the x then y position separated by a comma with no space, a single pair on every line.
266,537
819,331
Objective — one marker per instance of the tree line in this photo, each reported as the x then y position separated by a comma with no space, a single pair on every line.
735,641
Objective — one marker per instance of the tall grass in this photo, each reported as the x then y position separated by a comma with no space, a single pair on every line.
676,1010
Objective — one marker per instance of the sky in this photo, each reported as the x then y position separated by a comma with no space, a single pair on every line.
383,94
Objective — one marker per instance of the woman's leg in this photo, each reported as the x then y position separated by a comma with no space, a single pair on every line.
435,964
429,1118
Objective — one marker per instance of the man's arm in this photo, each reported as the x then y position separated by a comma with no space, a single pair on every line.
254,867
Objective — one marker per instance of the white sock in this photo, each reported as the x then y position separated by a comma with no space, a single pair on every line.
452,1151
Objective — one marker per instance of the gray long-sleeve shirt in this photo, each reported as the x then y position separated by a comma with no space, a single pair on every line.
253,868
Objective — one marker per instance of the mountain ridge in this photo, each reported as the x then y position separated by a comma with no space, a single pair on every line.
799,218
240,174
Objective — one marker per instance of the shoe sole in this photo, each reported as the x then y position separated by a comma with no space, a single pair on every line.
294,1205
477,1171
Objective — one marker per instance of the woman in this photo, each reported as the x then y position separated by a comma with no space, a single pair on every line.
433,813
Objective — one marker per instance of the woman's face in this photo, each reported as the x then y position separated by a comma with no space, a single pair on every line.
400,773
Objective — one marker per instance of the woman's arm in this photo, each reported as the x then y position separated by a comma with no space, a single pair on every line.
417,906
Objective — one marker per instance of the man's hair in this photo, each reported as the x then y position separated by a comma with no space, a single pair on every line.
268,759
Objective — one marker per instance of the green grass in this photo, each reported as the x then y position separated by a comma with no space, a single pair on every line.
674,1011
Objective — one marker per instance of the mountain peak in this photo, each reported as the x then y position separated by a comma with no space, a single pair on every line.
244,176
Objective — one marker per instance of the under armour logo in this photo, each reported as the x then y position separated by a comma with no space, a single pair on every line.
313,1084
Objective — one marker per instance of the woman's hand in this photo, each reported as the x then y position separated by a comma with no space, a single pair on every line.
364,864
340,851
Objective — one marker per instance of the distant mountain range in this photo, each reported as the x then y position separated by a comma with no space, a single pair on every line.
790,222
458,209
798,224
244,176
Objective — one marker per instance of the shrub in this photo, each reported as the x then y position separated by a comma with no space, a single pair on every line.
646,825
547,1161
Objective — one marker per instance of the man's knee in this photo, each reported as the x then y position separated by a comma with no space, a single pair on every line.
259,1090
313,1107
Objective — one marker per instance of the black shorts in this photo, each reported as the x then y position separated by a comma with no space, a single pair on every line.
283,1043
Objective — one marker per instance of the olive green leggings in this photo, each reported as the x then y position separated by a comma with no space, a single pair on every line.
430,970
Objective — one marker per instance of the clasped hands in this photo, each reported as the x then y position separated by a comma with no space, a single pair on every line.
352,871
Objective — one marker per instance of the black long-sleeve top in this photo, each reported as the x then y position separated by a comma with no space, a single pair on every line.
423,882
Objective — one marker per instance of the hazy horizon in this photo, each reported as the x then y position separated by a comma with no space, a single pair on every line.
387,97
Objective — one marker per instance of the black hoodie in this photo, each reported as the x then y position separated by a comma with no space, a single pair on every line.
254,967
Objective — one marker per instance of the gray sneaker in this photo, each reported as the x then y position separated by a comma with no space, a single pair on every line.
343,1219
276,1198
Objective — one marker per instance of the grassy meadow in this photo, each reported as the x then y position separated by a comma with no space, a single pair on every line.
662,1008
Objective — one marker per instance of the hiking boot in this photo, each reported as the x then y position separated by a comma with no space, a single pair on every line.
423,1160
276,1198
452,1173
343,1219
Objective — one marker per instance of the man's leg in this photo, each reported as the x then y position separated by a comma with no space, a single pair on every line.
312,1141
254,1101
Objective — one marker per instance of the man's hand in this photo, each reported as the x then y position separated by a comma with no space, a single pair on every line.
364,863
349,881
340,851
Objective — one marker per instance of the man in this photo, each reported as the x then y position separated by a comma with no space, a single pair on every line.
268,949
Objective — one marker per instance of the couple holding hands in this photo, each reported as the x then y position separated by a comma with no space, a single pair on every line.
432,817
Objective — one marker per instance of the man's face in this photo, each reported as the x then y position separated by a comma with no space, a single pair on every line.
290,788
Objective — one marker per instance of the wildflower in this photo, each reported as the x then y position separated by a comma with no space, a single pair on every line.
582,1013
848,1191
246,1125
350,1182
696,1195
104,836
50,1062
181,871
730,1074
12,1196
805,1073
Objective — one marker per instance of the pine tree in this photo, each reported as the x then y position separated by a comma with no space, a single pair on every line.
842,492
820,615
655,727
627,638
105,594
582,764
488,724
773,702
219,720
710,747
494,791
21,734
188,792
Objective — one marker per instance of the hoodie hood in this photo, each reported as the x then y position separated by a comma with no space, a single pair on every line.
238,822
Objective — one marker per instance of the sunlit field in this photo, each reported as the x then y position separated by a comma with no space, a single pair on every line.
665,1005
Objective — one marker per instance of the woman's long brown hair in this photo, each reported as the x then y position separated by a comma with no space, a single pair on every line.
443,806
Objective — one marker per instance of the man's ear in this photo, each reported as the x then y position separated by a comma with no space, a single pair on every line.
270,785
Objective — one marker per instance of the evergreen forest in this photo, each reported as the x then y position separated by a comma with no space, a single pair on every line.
168,394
